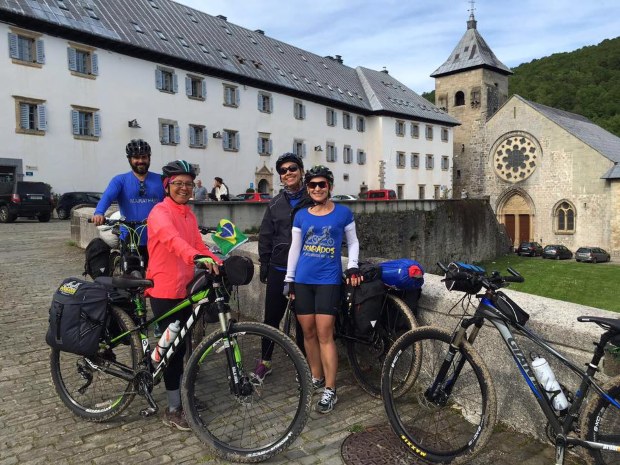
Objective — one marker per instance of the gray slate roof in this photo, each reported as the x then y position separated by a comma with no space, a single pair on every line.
471,52
170,33
604,142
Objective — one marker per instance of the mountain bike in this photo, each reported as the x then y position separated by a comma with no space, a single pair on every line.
237,419
126,258
449,413
367,351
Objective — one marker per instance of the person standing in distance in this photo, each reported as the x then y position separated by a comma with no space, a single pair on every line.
200,191
314,276
136,191
274,240
175,244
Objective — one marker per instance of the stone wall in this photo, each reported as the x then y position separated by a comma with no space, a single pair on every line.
454,230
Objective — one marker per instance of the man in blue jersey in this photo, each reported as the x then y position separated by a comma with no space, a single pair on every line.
136,191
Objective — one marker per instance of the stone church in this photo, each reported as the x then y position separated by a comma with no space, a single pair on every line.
551,176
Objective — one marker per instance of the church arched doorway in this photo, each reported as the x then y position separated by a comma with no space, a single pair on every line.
516,212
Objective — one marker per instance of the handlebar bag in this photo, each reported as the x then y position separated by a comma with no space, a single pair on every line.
367,303
77,316
470,286
97,258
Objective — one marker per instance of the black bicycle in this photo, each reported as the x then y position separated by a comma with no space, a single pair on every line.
366,351
237,419
449,413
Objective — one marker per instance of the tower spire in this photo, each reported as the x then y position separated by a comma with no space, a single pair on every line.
471,23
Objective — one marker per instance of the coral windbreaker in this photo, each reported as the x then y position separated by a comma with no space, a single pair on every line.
174,241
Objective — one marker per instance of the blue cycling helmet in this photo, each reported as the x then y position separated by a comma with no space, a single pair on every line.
177,167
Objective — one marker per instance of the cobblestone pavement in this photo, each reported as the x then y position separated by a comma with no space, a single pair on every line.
36,428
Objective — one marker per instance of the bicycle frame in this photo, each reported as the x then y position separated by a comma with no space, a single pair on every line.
560,424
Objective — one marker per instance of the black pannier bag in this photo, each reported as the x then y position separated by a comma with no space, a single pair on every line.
367,304
239,270
97,261
77,316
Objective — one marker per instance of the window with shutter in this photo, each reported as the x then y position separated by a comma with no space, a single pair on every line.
361,157
86,123
26,48
231,96
166,80
230,141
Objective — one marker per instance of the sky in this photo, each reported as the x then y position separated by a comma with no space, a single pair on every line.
412,38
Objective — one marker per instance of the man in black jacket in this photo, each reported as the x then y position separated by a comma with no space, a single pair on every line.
274,241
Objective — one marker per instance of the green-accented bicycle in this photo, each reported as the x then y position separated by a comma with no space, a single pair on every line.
241,421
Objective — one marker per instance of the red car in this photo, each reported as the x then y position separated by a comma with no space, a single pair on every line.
379,194
252,197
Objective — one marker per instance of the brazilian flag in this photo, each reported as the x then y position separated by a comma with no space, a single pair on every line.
228,237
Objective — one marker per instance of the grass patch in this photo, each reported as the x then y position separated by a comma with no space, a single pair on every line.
72,243
355,428
595,285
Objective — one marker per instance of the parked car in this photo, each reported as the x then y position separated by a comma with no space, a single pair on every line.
531,249
68,200
379,194
24,198
252,197
343,197
592,254
559,252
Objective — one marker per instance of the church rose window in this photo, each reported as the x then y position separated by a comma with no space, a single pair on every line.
515,158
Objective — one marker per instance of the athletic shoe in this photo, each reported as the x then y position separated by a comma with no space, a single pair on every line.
262,369
176,419
327,402
318,383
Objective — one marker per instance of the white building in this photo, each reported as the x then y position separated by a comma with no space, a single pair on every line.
82,78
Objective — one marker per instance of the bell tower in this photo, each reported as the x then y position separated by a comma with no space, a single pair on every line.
471,86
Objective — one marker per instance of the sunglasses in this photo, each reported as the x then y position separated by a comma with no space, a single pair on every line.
142,191
319,184
180,184
291,169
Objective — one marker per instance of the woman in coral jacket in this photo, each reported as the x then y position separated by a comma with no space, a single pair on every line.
174,246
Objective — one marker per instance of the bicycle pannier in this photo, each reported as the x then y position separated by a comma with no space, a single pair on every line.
464,285
402,274
97,261
77,316
239,270
367,304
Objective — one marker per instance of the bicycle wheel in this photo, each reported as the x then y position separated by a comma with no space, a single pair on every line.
601,423
89,392
443,422
366,354
264,418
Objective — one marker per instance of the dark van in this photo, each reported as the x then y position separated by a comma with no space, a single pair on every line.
23,198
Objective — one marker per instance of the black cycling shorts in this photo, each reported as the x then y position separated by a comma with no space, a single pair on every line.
323,299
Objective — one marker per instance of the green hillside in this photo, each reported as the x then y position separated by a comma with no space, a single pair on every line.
585,81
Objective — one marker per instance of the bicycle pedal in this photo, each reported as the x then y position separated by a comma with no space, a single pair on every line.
149,411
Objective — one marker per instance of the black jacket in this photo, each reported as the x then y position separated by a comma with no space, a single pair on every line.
274,239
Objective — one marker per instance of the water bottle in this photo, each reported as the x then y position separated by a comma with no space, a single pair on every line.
165,340
547,380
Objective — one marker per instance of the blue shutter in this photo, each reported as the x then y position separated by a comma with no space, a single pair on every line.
226,139
303,111
165,137
177,134
42,117
237,141
192,136
335,153
94,64
23,116
270,146
159,79
327,120
96,124
40,52
75,122
303,150
188,86
237,96
204,88
72,56
260,106
259,145
175,83
13,47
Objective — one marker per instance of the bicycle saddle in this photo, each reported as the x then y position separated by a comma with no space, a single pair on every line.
608,324
123,282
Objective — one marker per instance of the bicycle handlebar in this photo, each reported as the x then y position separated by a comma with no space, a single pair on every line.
121,222
492,282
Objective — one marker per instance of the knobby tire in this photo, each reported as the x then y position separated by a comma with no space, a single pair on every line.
269,416
452,427
600,422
